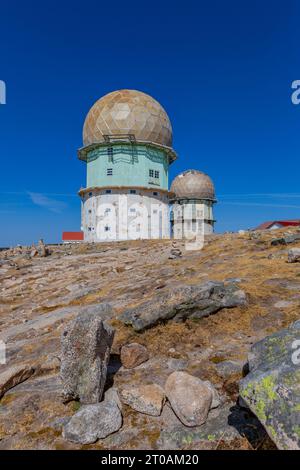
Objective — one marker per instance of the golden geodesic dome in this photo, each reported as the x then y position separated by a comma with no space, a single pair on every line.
126,112
193,184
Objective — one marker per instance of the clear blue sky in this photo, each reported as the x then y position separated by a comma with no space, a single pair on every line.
222,70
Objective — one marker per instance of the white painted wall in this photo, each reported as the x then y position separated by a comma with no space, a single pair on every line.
121,215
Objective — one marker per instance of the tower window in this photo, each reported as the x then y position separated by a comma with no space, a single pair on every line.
155,193
90,194
107,210
153,174
109,171
107,228
132,191
110,153
108,191
132,209
90,211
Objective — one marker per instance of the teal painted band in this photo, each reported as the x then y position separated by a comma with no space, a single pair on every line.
127,164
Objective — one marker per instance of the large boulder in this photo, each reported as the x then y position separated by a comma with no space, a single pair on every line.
93,422
189,397
148,399
184,302
86,345
272,388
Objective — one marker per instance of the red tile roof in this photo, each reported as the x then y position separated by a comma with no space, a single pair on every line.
283,223
72,236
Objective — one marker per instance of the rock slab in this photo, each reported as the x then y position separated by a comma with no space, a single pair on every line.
14,376
93,422
272,388
86,345
148,399
189,397
184,302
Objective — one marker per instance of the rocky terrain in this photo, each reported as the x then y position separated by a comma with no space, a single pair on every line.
174,320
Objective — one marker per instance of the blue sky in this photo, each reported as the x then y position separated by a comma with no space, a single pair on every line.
222,70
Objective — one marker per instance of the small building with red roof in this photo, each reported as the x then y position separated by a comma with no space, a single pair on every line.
72,237
274,224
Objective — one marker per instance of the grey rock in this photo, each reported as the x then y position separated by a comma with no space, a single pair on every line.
175,253
112,395
271,389
93,422
283,304
184,302
177,364
86,345
286,240
228,368
294,255
189,397
236,280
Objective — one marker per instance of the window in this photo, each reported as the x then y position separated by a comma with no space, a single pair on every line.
107,210
90,211
155,211
132,209
154,174
89,229
110,153
155,193
109,171
107,228
132,191
108,191
90,194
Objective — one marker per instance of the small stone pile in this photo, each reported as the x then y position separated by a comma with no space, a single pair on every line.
33,251
175,251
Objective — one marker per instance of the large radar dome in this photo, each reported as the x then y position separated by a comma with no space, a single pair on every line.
126,112
193,184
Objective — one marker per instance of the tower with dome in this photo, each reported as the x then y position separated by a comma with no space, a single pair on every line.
127,148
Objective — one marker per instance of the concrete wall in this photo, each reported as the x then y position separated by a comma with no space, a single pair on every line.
121,215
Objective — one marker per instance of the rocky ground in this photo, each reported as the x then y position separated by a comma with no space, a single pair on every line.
41,292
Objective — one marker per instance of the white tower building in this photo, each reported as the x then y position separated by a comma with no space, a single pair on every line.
127,138
192,203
